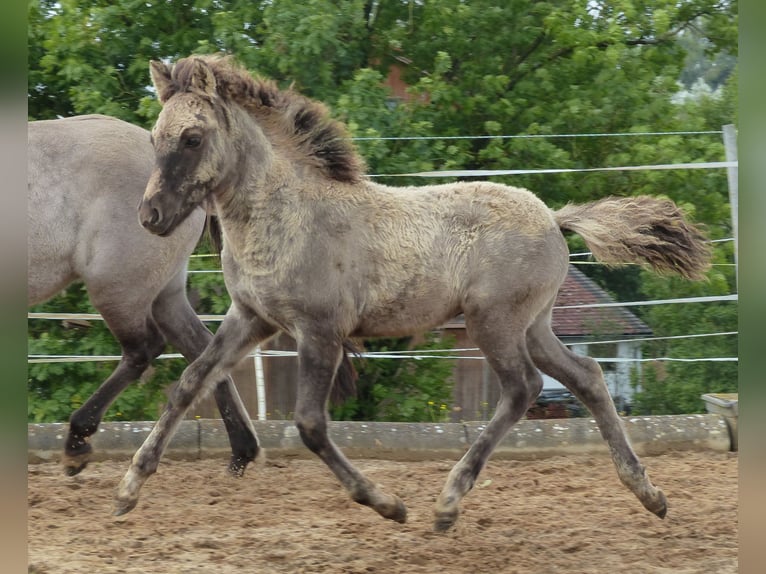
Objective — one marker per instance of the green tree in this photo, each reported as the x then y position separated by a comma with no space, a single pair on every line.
401,390
491,68
56,389
674,388
91,56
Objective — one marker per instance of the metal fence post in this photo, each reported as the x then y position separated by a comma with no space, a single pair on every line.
730,146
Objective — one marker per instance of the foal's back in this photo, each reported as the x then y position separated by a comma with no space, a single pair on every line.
86,175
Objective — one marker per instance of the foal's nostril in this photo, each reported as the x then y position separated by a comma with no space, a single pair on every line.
149,216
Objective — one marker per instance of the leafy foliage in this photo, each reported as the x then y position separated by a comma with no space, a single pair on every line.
55,390
401,390
675,388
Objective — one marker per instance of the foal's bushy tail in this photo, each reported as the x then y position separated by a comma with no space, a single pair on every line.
643,230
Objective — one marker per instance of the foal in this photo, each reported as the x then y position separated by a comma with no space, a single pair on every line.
314,248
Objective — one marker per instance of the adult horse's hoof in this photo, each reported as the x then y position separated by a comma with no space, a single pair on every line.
75,463
126,497
236,468
446,511
71,469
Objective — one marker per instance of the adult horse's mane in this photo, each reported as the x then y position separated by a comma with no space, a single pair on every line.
306,122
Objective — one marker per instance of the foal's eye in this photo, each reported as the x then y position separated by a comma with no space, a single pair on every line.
193,141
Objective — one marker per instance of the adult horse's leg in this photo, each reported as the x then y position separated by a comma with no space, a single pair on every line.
584,378
239,332
319,355
505,349
141,341
186,333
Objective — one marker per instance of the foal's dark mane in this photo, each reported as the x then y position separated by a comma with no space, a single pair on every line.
305,122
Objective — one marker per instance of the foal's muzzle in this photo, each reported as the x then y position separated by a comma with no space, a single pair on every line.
151,218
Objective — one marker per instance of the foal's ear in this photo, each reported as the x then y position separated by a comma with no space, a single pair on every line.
202,78
160,74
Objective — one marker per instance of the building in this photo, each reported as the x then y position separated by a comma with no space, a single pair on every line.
476,386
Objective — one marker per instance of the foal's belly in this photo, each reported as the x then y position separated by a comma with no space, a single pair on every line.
406,316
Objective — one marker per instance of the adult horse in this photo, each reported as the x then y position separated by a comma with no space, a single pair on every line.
86,175
314,248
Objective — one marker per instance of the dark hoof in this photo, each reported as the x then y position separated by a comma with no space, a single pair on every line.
444,522
75,462
123,506
238,464
662,511
70,470
236,468
397,512
659,506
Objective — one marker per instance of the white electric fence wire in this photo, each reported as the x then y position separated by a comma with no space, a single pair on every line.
462,173
33,359
494,172
408,354
534,136
709,299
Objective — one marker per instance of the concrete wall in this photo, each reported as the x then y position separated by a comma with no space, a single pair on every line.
528,439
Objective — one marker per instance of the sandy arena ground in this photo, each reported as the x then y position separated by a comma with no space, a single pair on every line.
564,514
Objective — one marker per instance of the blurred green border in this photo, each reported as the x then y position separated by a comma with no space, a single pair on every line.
752,278
13,476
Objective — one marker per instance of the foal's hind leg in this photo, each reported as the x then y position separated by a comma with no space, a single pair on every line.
520,383
239,332
318,358
141,342
186,332
583,377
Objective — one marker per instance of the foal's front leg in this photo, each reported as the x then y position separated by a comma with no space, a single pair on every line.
239,332
318,361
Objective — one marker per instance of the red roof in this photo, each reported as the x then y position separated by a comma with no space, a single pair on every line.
578,289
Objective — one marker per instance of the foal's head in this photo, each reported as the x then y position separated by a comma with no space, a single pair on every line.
188,143
198,137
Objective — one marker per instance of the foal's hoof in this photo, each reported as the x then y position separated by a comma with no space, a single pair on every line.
395,511
445,520
659,505
122,506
